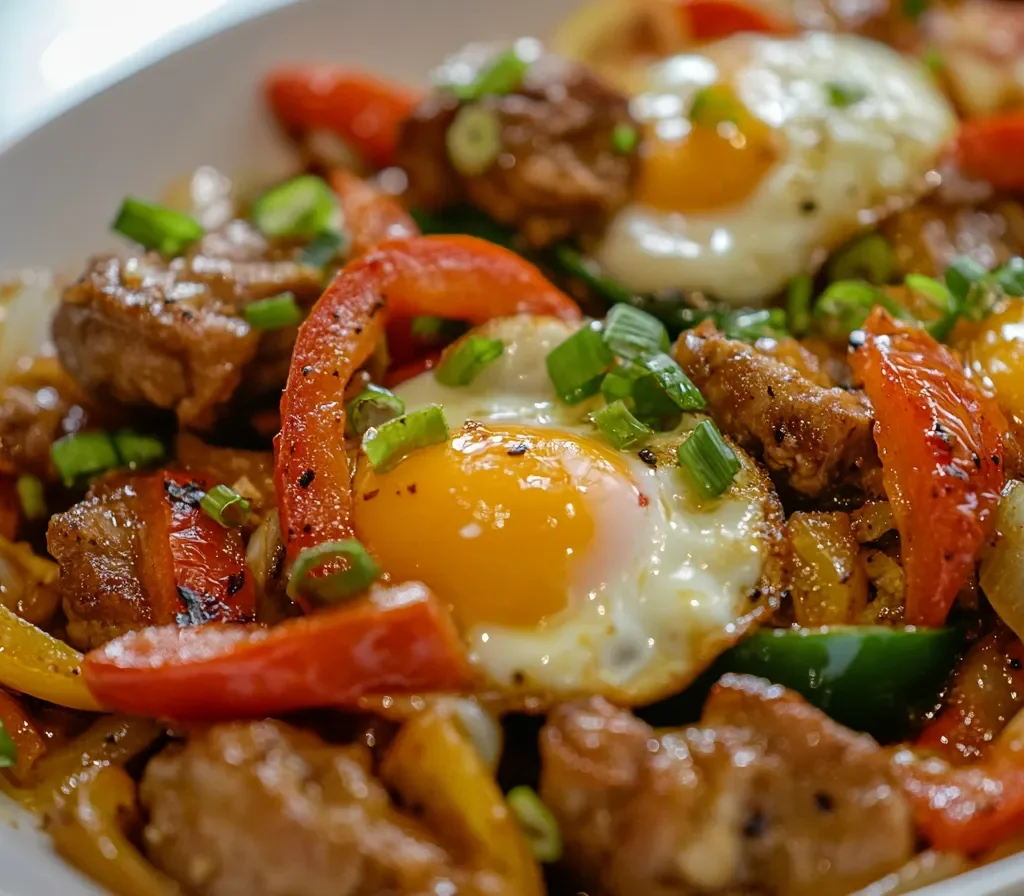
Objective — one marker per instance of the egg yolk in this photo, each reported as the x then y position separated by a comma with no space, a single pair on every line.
995,354
715,159
503,522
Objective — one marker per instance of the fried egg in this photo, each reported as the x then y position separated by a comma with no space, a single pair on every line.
762,154
570,567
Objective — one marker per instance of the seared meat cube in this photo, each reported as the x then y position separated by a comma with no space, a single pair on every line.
556,170
767,795
147,332
814,437
263,809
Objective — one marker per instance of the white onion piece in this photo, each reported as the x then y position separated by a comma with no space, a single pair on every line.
25,320
1002,566
261,556
482,729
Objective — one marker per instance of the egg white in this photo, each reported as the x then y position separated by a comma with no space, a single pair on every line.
842,167
691,584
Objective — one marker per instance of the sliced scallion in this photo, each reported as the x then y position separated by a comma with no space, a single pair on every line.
390,443
537,823
589,272
619,426
301,208
845,305
664,389
753,325
962,274
577,365
934,292
156,227
224,505
618,383
868,257
322,249
503,75
844,93
373,407
1010,276
473,140
710,464
798,304
625,138
360,572
31,497
466,358
273,313
138,450
630,332
715,105
83,455
8,749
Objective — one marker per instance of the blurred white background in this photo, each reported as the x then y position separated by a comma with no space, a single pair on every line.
54,52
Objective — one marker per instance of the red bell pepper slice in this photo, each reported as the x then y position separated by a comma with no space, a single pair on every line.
371,216
991,149
941,445
362,110
706,20
399,641
194,568
456,277
28,742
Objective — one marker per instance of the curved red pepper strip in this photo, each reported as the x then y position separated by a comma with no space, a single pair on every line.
362,110
456,277
399,641
371,216
940,441
706,20
991,149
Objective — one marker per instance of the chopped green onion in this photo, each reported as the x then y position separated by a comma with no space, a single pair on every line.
226,506
588,270
710,464
914,9
537,823
961,275
8,748
273,313
31,497
618,383
503,75
465,359
630,332
868,257
619,426
930,288
844,306
473,140
464,219
577,365
302,208
373,407
137,450
625,138
753,325
844,93
83,455
664,389
323,249
933,60
156,227
1010,276
361,572
798,304
390,443
427,326
715,105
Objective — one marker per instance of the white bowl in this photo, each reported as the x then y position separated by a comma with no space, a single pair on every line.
60,186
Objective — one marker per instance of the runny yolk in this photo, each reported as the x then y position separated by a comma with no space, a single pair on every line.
502,522
715,159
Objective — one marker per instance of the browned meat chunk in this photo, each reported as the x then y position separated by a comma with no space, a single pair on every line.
250,473
815,437
767,796
263,809
146,332
557,171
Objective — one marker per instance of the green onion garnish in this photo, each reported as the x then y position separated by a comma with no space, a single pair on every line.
426,326
84,455
322,249
798,304
715,105
226,506
473,140
710,464
1010,276
390,443
962,276
913,9
844,93
630,332
933,60
578,365
753,325
618,383
503,75
844,306
31,497
374,406
156,227
664,389
460,364
273,313
361,572
137,450
625,138
868,257
619,426
302,208
588,270
537,823
936,294
8,749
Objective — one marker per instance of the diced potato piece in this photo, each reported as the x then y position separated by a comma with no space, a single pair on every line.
829,583
872,521
886,575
